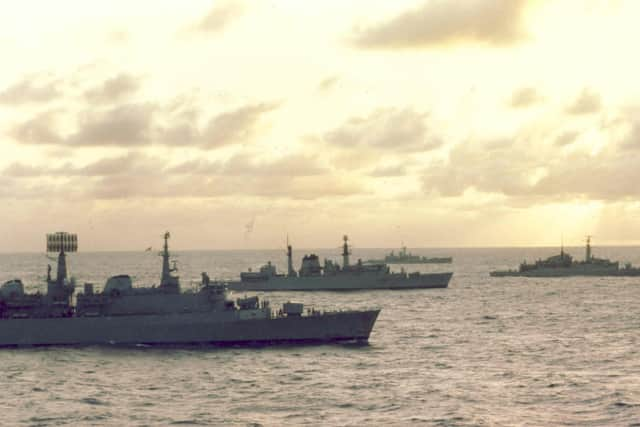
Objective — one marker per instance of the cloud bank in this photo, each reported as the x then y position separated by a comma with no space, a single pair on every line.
140,124
114,89
220,16
387,129
30,90
525,97
439,22
587,102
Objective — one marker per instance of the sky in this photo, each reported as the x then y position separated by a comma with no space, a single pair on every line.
235,124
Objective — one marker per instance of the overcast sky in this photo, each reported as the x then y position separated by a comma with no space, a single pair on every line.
235,123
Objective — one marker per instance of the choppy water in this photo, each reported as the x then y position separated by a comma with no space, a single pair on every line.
486,351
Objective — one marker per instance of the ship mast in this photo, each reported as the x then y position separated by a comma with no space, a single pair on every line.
588,250
167,279
60,242
291,271
345,252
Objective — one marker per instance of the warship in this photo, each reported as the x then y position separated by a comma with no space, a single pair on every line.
313,276
160,315
404,257
563,265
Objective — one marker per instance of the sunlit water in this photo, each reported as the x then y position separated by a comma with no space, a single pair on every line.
486,351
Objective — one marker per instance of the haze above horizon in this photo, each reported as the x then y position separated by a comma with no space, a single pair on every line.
443,124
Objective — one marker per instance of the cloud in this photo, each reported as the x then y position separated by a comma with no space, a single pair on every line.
127,186
179,134
328,83
524,97
244,165
118,36
385,129
531,173
185,186
114,89
498,166
130,163
20,170
605,177
40,129
132,175
233,126
30,90
632,140
138,124
586,103
293,165
388,171
566,138
124,125
438,22
220,16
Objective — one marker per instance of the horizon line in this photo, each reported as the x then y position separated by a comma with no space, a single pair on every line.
321,248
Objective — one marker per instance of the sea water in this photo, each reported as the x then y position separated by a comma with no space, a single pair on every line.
485,351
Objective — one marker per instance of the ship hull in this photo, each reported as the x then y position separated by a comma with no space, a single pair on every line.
351,282
558,272
423,261
188,329
426,261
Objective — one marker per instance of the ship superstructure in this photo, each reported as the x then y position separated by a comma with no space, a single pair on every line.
123,314
331,276
404,257
16,303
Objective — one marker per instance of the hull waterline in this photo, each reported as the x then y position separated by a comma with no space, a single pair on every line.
349,283
187,329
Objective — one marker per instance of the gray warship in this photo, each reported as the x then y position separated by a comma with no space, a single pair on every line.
159,315
564,265
404,257
313,276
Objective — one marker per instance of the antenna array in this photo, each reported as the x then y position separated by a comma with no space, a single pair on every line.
62,242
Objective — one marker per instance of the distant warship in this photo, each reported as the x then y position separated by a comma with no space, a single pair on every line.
123,314
332,277
404,257
564,265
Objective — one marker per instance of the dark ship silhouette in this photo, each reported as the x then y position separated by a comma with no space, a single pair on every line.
124,314
404,257
564,265
313,276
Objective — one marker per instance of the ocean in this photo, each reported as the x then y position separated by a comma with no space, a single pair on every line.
485,351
